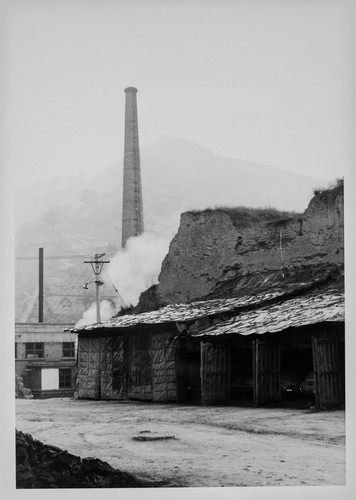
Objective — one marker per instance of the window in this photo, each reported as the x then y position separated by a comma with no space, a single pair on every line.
68,350
34,350
65,378
15,350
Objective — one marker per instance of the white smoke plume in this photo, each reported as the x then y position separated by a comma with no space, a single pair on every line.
136,267
132,270
89,316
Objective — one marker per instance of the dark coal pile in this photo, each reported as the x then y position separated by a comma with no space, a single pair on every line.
44,466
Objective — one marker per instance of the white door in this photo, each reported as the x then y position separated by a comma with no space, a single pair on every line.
49,379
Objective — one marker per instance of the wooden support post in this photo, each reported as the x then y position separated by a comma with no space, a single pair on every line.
215,372
329,391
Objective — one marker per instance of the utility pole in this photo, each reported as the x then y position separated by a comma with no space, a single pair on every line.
97,266
40,285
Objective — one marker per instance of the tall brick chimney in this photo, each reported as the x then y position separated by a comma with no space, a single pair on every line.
132,208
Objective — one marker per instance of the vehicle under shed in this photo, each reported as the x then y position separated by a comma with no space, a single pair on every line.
273,369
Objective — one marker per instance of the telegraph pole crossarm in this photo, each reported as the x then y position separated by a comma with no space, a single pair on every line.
97,266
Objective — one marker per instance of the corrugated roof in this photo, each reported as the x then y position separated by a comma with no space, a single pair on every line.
296,312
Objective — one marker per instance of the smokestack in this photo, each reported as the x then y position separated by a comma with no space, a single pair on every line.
40,285
132,208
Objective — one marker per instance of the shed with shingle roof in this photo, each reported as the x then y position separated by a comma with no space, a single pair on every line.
211,350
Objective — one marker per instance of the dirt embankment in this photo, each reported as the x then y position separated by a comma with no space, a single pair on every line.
214,246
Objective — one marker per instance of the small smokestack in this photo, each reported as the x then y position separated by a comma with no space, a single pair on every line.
40,285
132,207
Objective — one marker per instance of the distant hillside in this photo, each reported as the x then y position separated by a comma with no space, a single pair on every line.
177,175
83,215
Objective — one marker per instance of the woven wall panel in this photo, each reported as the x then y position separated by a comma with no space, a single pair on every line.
140,366
88,368
106,369
113,369
163,368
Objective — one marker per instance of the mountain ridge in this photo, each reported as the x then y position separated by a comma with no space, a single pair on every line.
177,156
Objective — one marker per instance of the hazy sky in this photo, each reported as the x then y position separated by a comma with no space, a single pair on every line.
266,81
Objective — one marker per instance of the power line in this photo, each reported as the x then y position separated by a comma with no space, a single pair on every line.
55,257
70,286
116,290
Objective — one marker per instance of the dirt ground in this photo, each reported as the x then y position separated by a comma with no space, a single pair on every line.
212,446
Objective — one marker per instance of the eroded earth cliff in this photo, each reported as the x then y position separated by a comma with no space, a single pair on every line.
213,247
